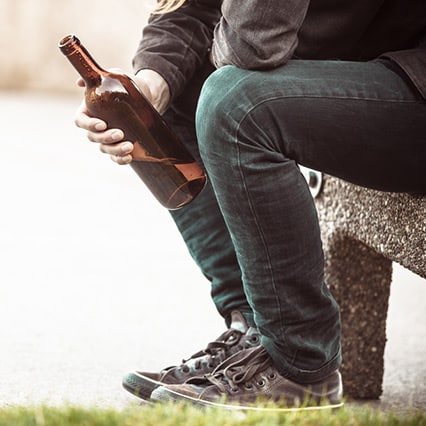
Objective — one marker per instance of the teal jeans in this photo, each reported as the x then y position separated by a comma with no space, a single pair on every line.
256,226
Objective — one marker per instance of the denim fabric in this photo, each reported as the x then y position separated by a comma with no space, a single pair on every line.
362,122
201,223
207,239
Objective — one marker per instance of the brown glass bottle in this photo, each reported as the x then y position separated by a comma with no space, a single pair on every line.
159,158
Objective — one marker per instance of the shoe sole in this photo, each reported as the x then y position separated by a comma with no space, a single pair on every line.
168,395
140,385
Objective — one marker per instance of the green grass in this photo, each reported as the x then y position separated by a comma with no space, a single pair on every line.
173,415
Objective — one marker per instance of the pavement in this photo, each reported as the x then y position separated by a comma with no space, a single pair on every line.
95,279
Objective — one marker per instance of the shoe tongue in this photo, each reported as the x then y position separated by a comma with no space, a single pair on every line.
238,322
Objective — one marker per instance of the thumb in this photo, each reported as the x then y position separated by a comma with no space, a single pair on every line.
80,82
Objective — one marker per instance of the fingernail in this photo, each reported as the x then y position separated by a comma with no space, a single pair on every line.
116,136
127,147
100,126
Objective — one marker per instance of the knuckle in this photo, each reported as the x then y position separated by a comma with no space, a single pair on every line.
77,121
92,137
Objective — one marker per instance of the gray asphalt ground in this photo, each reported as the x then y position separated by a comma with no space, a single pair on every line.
95,280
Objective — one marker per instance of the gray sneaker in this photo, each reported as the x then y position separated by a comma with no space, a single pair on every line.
249,381
238,337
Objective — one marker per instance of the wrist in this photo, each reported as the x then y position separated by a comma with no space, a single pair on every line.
157,86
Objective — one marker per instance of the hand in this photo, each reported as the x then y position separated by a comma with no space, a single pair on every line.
110,141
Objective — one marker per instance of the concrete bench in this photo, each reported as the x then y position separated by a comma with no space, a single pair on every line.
363,232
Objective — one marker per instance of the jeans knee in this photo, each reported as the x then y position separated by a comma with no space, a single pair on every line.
216,110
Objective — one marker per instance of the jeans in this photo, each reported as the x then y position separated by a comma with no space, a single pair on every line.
201,223
363,122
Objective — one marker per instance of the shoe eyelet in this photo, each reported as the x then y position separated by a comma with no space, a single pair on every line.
248,386
254,339
272,376
234,390
261,383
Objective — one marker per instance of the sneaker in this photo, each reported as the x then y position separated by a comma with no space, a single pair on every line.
249,381
238,337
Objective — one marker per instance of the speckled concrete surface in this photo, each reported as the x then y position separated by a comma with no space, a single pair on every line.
363,232
95,279
392,224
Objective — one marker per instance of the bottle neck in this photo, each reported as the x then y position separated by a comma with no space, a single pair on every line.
81,59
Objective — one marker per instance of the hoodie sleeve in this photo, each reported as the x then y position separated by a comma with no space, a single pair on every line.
175,44
258,34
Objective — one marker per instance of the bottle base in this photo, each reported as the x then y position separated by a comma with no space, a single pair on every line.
185,193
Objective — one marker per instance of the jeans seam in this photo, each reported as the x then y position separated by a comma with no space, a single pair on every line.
329,97
282,334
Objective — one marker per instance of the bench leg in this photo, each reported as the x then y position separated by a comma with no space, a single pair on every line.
360,280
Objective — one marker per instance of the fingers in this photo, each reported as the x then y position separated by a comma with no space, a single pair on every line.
121,160
108,136
97,130
110,140
119,152
83,120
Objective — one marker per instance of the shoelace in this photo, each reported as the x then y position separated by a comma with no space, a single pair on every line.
221,345
240,369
